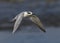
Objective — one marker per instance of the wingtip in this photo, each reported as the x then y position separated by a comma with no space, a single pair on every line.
45,31
13,32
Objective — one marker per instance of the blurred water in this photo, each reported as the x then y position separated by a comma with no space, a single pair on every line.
29,36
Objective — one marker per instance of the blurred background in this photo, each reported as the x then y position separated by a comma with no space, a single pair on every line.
47,10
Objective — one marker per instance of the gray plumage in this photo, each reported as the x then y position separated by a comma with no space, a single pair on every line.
37,21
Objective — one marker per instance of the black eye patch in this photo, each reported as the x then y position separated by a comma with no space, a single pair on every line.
29,13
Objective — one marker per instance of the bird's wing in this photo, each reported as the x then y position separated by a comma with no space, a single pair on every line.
18,21
14,18
37,21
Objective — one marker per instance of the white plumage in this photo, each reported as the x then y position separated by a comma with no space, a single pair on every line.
30,15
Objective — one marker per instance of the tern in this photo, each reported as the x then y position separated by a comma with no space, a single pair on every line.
29,15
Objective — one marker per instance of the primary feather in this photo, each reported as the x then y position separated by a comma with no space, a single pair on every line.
37,21
18,21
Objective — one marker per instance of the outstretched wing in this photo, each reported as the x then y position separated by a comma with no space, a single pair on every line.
15,17
37,21
18,21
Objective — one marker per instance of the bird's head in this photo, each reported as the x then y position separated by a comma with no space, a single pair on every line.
27,13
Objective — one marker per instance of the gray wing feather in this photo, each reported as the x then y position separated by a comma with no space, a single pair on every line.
37,21
18,21
15,18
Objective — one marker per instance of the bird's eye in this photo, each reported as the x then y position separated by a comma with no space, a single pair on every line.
28,12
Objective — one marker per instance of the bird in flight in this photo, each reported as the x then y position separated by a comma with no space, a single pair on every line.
29,15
